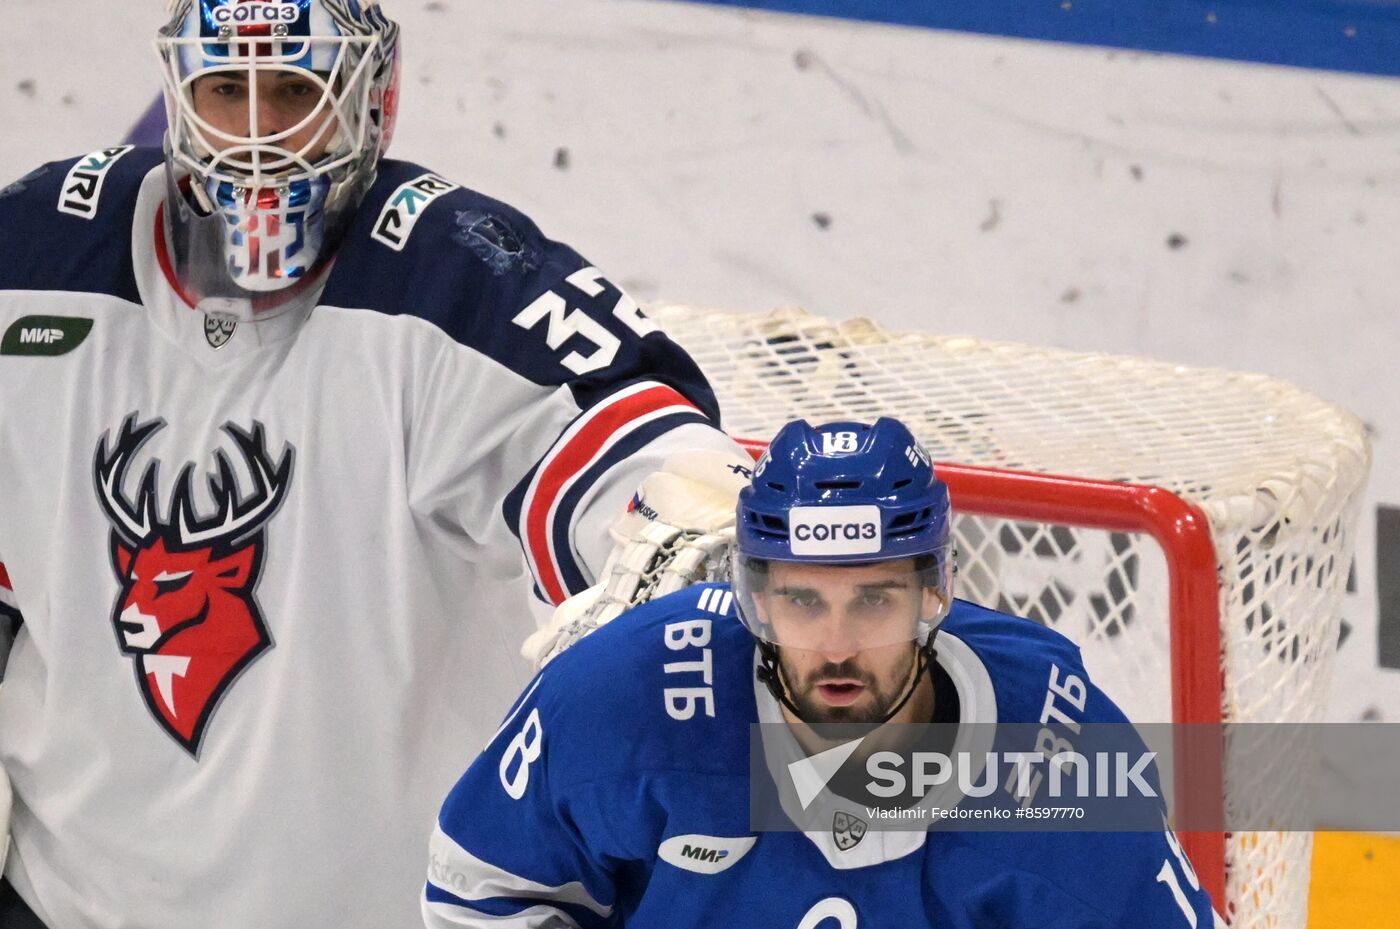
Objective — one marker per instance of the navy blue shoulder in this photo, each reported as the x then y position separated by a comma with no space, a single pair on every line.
424,246
659,680
67,225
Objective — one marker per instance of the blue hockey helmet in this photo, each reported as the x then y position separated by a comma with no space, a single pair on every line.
844,493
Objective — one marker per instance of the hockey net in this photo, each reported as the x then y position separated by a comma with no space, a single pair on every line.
1190,529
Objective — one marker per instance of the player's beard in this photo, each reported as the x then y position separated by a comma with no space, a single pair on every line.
872,709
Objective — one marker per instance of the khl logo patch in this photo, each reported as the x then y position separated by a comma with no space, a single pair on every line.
848,830
186,612
219,329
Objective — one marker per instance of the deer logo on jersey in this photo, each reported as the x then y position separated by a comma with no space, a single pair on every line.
186,612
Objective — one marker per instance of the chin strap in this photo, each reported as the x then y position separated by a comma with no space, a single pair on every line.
769,673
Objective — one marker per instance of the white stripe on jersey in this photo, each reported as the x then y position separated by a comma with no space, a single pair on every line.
457,871
715,600
447,916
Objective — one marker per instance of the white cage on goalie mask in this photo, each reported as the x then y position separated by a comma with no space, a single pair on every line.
281,144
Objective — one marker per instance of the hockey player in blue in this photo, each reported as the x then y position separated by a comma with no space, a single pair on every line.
617,791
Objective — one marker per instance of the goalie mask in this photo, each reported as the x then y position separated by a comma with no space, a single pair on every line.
843,549
279,111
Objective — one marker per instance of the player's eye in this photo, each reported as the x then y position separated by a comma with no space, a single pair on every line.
803,599
225,89
299,89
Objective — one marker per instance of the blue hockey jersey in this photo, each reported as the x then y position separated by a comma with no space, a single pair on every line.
617,793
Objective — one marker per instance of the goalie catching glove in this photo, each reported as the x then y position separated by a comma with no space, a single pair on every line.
677,531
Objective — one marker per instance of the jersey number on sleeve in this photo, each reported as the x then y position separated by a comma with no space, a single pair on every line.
1167,875
565,323
527,745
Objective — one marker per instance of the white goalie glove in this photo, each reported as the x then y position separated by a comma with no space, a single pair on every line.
677,531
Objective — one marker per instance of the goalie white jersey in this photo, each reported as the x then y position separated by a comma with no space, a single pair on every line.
267,578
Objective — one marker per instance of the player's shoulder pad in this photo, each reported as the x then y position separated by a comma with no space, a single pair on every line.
424,245
666,686
1021,657
68,224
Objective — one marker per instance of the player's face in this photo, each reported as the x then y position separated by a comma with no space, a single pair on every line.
273,103
846,635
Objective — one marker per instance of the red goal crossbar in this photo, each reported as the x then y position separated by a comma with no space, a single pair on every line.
1183,533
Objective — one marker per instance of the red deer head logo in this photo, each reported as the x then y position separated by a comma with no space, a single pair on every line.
186,611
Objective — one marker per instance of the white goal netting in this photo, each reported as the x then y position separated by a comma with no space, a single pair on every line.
1277,473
